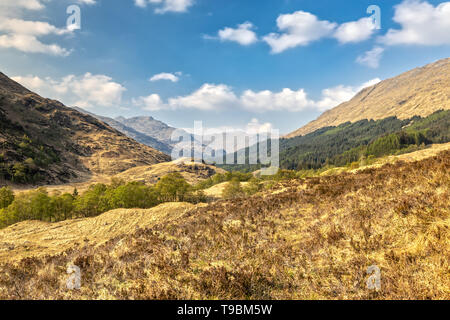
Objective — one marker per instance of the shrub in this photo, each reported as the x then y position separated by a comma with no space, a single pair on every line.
254,186
233,190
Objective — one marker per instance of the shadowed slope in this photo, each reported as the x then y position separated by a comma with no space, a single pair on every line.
42,141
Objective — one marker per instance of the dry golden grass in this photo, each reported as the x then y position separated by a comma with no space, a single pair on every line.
36,238
429,152
217,190
191,171
315,239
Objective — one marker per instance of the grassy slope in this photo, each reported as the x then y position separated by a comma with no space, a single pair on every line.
313,239
420,91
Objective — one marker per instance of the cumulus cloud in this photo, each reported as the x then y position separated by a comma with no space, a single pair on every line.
207,97
166,76
221,97
88,2
421,24
254,126
14,5
301,28
164,6
87,91
298,29
24,35
152,102
333,97
29,43
287,100
355,31
371,58
243,34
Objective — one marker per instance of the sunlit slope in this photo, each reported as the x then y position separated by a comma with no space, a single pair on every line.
193,172
419,92
35,238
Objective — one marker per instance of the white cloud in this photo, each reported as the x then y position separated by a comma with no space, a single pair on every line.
208,97
253,127
152,102
287,100
332,97
243,34
23,35
166,5
299,29
88,2
212,137
36,28
421,23
27,43
14,5
166,76
371,58
87,91
221,97
355,31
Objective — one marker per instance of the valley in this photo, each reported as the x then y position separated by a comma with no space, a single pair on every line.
101,194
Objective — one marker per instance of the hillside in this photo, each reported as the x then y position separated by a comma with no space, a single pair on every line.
418,92
309,238
193,172
33,238
44,142
132,133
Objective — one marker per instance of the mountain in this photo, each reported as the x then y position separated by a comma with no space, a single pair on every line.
42,141
130,132
418,92
150,127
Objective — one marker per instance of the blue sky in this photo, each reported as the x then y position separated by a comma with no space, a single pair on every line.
277,63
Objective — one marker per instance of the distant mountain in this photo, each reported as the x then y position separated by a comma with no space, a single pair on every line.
43,142
150,127
419,92
132,133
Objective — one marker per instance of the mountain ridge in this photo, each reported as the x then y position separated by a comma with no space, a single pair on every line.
430,85
130,132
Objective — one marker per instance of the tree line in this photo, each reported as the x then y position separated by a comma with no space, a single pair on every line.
99,198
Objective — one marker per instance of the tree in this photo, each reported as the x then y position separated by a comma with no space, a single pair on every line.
63,206
93,202
6,197
133,195
172,187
